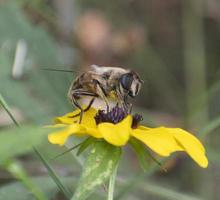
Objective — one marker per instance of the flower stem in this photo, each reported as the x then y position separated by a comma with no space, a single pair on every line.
112,184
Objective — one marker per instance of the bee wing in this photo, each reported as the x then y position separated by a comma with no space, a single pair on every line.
94,67
99,69
107,69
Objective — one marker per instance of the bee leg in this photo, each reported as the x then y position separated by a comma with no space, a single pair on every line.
76,94
123,105
107,107
86,109
74,101
82,110
107,103
127,104
90,104
129,108
121,100
102,94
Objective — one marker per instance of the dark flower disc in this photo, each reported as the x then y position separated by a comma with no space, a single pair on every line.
115,115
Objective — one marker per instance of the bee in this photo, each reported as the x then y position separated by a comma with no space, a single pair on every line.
105,83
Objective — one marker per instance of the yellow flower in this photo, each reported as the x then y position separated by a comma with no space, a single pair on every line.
116,129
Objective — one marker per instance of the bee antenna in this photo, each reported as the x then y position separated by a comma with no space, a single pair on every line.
57,70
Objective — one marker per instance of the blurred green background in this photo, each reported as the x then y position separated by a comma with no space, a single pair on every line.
174,45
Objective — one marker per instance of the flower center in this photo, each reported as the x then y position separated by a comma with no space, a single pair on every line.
116,115
136,120
113,116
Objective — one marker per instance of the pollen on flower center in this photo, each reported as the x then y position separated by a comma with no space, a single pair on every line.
116,115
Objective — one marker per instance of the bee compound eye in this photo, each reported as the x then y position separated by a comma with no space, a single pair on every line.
126,81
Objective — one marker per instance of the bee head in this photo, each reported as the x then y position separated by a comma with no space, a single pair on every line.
130,83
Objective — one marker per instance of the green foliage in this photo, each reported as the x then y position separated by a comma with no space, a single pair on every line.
43,92
140,151
17,191
53,175
99,165
17,141
165,193
7,109
19,173
85,144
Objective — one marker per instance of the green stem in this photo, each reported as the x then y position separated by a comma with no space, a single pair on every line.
21,175
195,63
7,109
17,170
111,186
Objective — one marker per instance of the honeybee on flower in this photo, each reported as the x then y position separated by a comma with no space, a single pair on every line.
117,125
105,83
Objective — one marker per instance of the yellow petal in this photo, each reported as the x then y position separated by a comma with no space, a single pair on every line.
191,145
94,132
55,126
73,117
60,137
143,128
67,118
158,139
116,134
88,119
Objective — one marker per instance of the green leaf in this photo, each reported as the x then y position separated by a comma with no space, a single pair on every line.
141,153
7,109
84,145
100,164
209,128
18,141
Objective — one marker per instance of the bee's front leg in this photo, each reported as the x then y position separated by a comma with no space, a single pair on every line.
122,100
129,107
101,92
